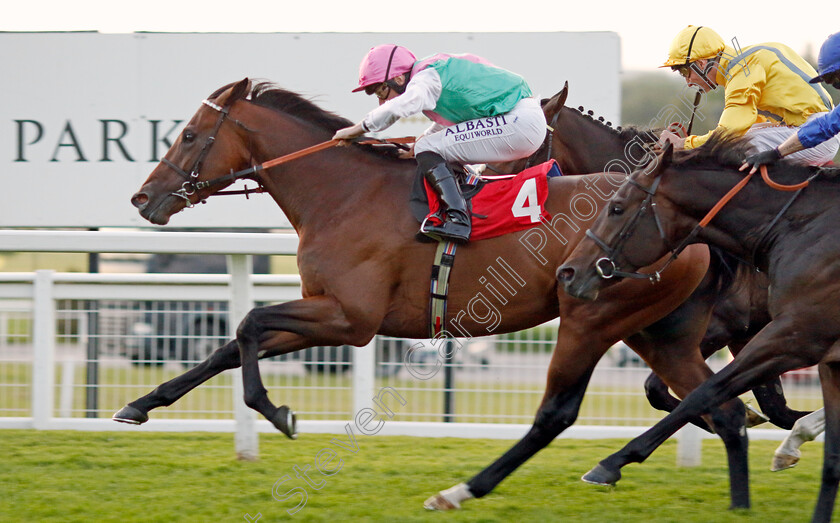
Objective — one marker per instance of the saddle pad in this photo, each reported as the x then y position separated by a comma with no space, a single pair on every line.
505,206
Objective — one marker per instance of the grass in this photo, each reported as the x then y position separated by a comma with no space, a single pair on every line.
84,476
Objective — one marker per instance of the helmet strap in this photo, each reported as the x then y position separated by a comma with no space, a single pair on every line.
690,45
390,82
711,63
393,84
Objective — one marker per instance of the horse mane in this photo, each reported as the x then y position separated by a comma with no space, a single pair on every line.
270,95
626,133
726,151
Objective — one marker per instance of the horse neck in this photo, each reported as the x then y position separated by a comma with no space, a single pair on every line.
588,145
330,180
740,224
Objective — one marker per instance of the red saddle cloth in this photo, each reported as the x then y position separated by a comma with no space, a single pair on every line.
505,206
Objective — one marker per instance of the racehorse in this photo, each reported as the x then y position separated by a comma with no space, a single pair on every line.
582,143
675,201
363,273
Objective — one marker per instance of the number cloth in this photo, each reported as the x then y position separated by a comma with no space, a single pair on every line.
509,205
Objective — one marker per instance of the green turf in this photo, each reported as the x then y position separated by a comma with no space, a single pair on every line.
83,476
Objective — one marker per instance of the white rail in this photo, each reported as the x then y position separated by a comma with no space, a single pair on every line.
241,289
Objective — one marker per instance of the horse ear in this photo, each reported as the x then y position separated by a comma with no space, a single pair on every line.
666,156
239,90
242,88
556,103
660,162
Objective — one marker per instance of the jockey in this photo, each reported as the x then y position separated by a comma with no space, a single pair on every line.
480,113
818,130
767,91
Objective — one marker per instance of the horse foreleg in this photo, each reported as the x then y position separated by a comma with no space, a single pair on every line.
830,379
166,394
806,428
682,366
765,357
558,411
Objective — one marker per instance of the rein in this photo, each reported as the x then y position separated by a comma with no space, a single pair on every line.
192,184
606,266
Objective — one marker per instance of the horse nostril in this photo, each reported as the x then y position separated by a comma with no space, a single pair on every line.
565,274
140,200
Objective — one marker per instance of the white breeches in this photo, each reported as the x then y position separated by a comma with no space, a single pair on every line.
765,137
503,138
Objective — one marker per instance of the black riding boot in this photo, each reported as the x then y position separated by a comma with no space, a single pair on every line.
456,217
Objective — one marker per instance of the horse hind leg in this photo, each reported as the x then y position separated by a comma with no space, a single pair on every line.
806,428
165,394
284,328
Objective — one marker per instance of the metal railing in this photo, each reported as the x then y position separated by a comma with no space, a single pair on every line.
74,348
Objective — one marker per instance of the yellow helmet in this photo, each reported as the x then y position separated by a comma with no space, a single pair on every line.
693,43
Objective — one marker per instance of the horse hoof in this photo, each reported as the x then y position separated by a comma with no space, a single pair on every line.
285,421
438,502
783,461
129,414
600,475
754,417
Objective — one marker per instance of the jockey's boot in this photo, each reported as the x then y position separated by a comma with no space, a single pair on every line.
456,224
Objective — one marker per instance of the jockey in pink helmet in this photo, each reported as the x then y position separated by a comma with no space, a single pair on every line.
384,63
481,114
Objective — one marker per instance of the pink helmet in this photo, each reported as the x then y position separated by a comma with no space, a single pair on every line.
382,63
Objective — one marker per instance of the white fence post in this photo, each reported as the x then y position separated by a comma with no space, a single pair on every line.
43,350
242,301
364,376
690,446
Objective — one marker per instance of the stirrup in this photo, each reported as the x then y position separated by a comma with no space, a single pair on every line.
448,230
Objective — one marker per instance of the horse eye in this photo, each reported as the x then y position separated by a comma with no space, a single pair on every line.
189,136
616,210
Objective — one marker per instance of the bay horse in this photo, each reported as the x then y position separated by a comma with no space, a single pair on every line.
362,272
583,143
793,240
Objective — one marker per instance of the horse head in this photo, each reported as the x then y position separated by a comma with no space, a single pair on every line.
195,166
621,236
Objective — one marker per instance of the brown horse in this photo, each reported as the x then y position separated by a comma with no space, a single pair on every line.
363,273
583,143
794,240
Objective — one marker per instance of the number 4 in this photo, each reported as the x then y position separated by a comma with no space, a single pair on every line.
526,203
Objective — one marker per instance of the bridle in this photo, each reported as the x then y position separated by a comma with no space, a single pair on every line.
192,184
606,266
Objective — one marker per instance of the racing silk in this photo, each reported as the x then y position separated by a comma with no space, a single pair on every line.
471,87
818,130
765,82
450,89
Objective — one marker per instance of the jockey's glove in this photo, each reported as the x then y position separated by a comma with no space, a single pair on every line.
763,158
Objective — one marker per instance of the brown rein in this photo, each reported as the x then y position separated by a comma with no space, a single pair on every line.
740,185
294,156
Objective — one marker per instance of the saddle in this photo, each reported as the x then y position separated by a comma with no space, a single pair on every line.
492,200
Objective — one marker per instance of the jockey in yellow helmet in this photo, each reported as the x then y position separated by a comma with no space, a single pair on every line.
767,94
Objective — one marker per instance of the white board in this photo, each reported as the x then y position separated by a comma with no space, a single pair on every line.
86,116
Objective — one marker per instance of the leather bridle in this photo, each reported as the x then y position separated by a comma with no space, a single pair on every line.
192,184
606,266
